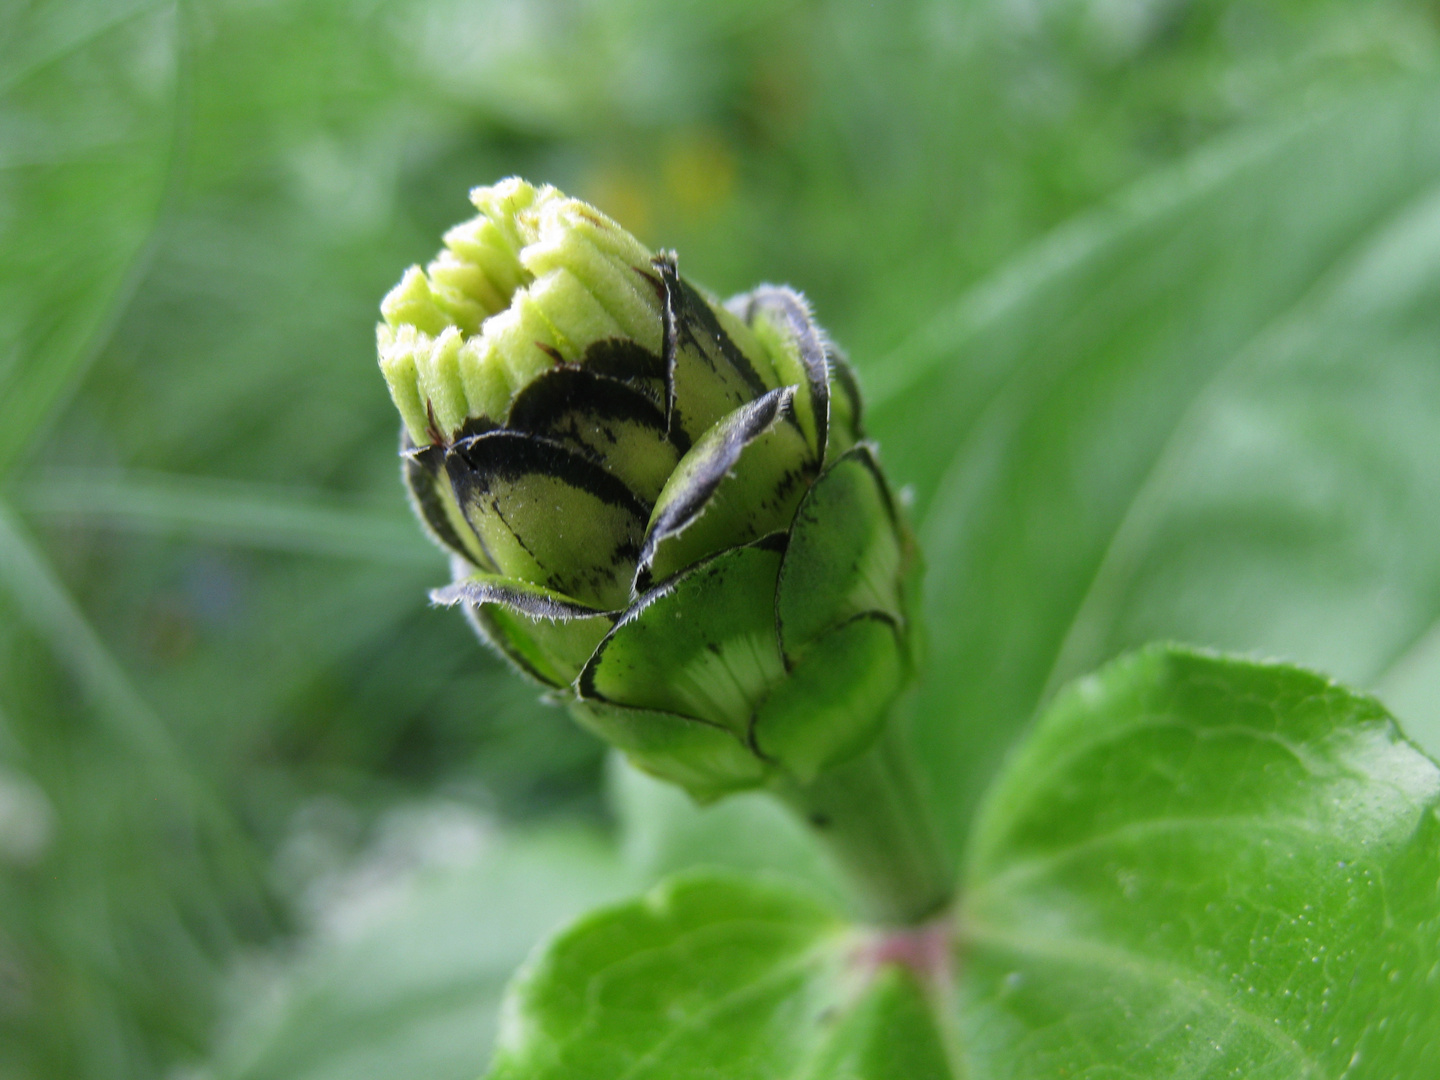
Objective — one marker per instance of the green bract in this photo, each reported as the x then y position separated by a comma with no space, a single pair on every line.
660,506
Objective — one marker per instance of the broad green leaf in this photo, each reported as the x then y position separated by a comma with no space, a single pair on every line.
412,987
712,975
1205,867
1288,511
1198,413
1197,866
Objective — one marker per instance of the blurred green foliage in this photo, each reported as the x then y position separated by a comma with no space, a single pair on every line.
1144,291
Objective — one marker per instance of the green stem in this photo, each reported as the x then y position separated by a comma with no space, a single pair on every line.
870,814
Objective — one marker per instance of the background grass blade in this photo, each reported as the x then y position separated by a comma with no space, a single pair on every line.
232,512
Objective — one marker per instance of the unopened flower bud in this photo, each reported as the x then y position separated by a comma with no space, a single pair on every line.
660,506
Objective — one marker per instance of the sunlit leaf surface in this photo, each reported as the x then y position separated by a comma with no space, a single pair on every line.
710,975
1196,867
1202,867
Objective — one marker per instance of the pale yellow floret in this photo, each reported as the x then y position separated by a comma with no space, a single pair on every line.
581,319
486,380
534,277
617,267
524,338
411,303
503,203
438,372
617,285
571,217
463,292
481,243
397,364
513,349
473,276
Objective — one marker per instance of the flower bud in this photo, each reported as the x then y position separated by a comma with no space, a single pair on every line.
661,507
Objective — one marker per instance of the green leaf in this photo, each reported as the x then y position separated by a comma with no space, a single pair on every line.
1197,866
43,602
1206,867
709,976
268,517
1202,412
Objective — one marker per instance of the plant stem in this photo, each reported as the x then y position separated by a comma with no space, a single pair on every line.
870,814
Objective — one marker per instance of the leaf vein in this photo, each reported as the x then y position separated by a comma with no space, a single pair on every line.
1025,870
1185,983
